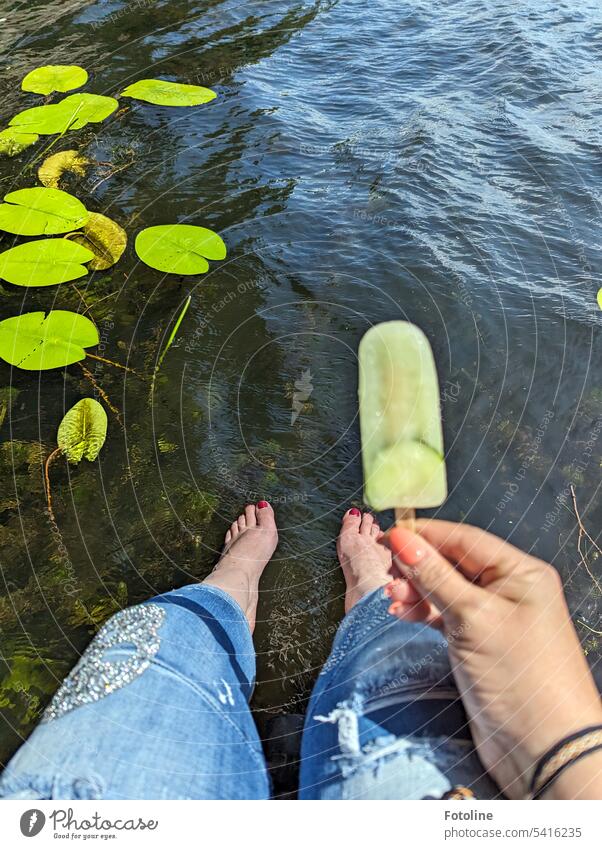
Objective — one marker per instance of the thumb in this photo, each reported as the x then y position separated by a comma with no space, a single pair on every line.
432,575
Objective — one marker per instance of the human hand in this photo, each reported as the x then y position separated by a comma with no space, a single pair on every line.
514,652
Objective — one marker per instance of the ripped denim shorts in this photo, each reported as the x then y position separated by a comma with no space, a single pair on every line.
385,720
158,708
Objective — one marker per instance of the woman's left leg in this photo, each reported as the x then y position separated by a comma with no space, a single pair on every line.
158,705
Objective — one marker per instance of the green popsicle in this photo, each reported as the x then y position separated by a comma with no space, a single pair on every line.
400,420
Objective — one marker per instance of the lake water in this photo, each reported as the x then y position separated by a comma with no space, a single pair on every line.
439,162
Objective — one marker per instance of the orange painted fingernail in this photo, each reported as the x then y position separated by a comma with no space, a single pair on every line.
407,546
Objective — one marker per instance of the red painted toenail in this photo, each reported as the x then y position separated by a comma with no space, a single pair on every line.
355,512
262,504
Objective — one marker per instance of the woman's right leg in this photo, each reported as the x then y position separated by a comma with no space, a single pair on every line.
385,720
158,705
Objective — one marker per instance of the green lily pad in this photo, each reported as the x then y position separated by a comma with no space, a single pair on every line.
165,93
53,167
105,238
45,262
83,431
38,341
71,113
179,248
51,78
41,212
87,108
43,120
13,142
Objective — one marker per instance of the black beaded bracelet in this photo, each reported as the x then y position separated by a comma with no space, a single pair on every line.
562,755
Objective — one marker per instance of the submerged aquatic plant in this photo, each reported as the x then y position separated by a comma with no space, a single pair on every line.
170,341
81,434
83,431
104,237
176,327
54,166
8,395
14,141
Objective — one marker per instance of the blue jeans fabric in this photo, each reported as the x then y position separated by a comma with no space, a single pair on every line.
179,729
385,720
158,708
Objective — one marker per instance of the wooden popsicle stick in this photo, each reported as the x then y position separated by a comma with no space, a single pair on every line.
405,516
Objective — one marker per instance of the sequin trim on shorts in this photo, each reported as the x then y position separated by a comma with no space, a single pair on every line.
94,678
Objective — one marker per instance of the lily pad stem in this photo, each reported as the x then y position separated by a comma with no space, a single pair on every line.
49,460
88,374
583,533
52,143
111,363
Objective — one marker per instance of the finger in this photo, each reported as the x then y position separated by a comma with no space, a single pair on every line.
394,569
402,590
423,611
431,574
472,549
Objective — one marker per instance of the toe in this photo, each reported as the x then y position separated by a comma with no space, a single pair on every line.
228,537
366,524
352,520
250,517
375,529
234,529
242,522
265,515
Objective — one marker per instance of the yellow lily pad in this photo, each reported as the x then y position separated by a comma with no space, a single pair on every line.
105,238
52,168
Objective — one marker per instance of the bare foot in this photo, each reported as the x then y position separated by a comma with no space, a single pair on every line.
366,564
248,547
